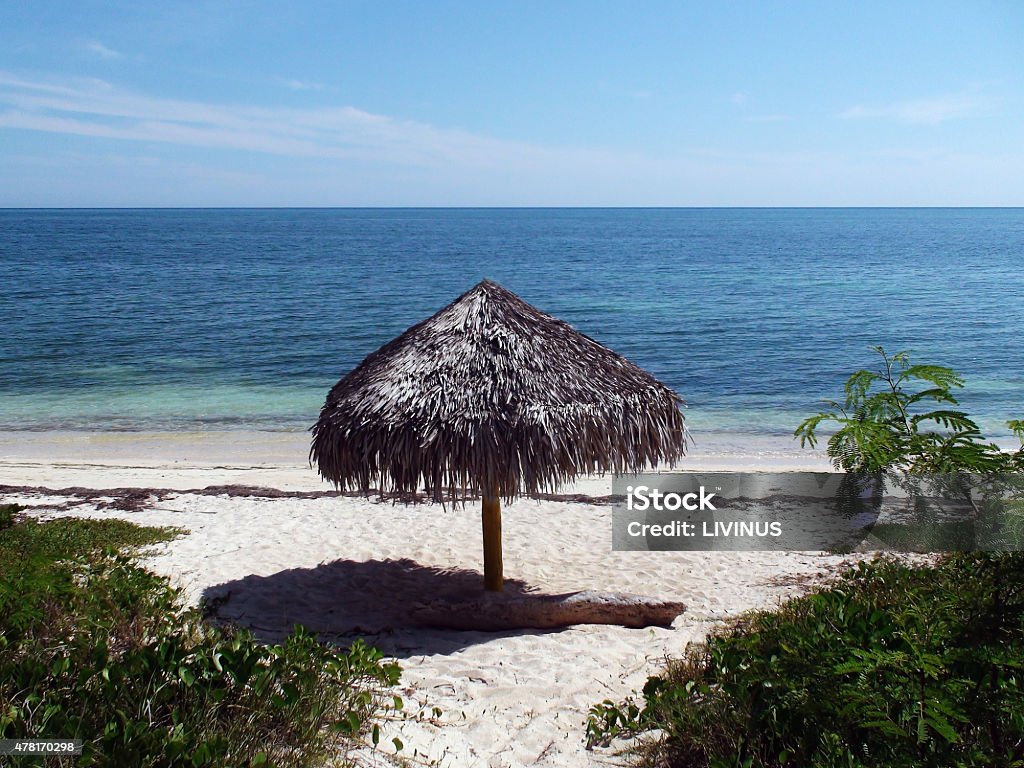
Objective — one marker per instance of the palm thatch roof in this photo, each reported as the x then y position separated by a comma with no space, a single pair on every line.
492,395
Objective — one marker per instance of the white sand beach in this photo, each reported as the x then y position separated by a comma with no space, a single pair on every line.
347,567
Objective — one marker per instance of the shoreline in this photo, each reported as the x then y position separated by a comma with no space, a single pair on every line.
189,460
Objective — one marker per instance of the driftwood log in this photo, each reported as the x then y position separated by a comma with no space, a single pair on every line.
498,611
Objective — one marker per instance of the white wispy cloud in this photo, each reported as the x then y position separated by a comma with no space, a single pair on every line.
96,108
98,48
388,160
300,85
91,108
928,111
740,97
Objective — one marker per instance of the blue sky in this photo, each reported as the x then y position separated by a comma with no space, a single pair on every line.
511,103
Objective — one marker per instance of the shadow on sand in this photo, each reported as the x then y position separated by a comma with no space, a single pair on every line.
346,599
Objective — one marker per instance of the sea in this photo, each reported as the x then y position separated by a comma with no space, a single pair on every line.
242,319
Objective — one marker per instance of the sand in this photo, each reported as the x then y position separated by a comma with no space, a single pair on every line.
349,567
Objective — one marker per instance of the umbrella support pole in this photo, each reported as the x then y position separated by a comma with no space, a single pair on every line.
493,576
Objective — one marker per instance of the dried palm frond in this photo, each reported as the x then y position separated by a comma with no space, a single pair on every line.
492,395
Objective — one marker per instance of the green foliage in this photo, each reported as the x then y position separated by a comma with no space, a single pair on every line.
893,666
26,545
7,513
904,416
35,569
94,647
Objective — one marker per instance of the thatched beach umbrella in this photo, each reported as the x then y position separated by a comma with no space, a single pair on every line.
492,396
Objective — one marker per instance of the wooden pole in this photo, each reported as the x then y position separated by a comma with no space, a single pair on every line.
493,577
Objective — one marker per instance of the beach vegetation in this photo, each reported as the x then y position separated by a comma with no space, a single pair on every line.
893,664
7,513
904,415
94,647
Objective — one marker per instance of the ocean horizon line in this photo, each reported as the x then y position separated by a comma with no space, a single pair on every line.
516,208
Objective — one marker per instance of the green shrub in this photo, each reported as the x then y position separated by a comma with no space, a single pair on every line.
7,513
905,416
96,648
892,666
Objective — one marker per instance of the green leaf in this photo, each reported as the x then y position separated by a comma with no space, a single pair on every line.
942,726
186,675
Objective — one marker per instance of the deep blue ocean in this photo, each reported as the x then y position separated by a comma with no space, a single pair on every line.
243,319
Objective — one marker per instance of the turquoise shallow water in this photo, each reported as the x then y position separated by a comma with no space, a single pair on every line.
242,319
